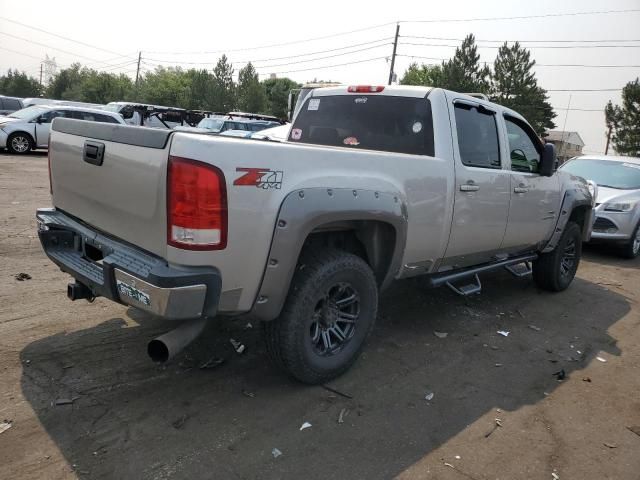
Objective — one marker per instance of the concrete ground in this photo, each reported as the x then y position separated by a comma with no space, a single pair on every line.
130,419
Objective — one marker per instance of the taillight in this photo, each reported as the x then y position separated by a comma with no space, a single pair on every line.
365,89
196,205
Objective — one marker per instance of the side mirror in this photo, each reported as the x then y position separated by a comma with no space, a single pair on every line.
39,120
548,163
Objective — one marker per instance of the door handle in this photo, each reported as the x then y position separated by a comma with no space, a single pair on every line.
469,187
522,188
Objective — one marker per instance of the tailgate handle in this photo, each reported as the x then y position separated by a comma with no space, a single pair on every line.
93,153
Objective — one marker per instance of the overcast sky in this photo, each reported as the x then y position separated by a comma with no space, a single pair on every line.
179,32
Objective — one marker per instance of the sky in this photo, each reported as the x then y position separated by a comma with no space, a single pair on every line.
347,42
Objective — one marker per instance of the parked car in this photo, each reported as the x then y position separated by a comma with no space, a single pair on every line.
10,104
278,134
618,199
28,129
375,183
29,102
217,125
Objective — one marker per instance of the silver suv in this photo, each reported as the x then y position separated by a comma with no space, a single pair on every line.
618,199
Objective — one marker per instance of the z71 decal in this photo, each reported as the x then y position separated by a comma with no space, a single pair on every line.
259,177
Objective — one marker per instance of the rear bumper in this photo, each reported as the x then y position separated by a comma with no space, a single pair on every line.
125,274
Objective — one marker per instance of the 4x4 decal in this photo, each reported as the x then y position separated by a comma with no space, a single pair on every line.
259,177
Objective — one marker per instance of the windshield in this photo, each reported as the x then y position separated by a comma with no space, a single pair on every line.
211,124
372,122
29,113
606,173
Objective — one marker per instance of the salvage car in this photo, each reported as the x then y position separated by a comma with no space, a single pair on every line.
28,129
10,104
375,183
617,221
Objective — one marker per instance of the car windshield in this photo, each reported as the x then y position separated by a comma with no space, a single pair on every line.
606,173
28,113
212,124
372,122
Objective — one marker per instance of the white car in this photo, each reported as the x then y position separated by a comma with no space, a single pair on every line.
28,129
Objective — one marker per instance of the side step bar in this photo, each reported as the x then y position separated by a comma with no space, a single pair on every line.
519,273
448,278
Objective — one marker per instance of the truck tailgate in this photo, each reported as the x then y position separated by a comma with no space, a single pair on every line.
123,192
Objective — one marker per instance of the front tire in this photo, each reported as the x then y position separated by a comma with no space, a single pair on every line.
19,143
328,315
555,270
632,248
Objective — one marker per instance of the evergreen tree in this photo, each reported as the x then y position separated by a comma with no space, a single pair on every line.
251,93
427,75
464,73
223,95
514,85
625,120
277,91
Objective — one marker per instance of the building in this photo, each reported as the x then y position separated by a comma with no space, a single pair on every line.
568,144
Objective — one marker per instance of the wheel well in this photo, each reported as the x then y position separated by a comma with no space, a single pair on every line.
579,215
24,133
373,241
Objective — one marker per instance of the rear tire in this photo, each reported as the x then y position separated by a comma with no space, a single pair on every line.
554,271
327,317
632,248
19,143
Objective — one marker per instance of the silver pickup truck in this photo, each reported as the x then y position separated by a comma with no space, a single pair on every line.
374,184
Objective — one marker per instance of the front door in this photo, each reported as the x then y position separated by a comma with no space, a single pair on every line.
43,127
482,188
535,200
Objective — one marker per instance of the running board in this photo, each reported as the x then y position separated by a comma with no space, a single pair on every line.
519,273
452,276
469,289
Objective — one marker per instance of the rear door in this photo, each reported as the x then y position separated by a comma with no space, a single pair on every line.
482,186
535,200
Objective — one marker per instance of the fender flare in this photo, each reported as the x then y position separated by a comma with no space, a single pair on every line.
573,198
304,210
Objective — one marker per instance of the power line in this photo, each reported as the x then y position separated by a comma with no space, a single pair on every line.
60,36
529,47
521,41
536,65
522,17
327,66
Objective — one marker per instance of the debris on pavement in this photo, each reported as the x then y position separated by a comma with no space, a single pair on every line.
497,424
458,457
65,401
610,445
213,362
429,396
179,423
560,375
600,359
305,425
586,379
533,327
237,346
499,364
440,334
504,333
21,277
337,392
555,476
276,453
343,413
520,313
248,326
5,425
449,465
249,394
635,429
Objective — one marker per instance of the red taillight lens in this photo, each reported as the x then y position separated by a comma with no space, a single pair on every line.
365,89
196,205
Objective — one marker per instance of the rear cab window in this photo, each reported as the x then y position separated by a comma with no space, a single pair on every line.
366,122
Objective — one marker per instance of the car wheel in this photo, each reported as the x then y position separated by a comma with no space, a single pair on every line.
632,248
19,143
328,315
555,270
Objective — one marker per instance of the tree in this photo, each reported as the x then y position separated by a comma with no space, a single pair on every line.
427,75
514,85
165,86
277,92
19,84
625,120
66,81
251,93
223,95
463,73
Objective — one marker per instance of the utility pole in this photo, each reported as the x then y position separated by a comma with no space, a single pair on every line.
40,73
393,56
606,149
138,69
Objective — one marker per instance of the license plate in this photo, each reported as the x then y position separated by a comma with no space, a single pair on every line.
134,293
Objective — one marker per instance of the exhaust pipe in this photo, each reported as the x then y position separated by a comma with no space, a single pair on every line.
167,346
78,291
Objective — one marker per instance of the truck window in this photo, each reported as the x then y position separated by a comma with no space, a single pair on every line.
525,156
477,136
371,122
